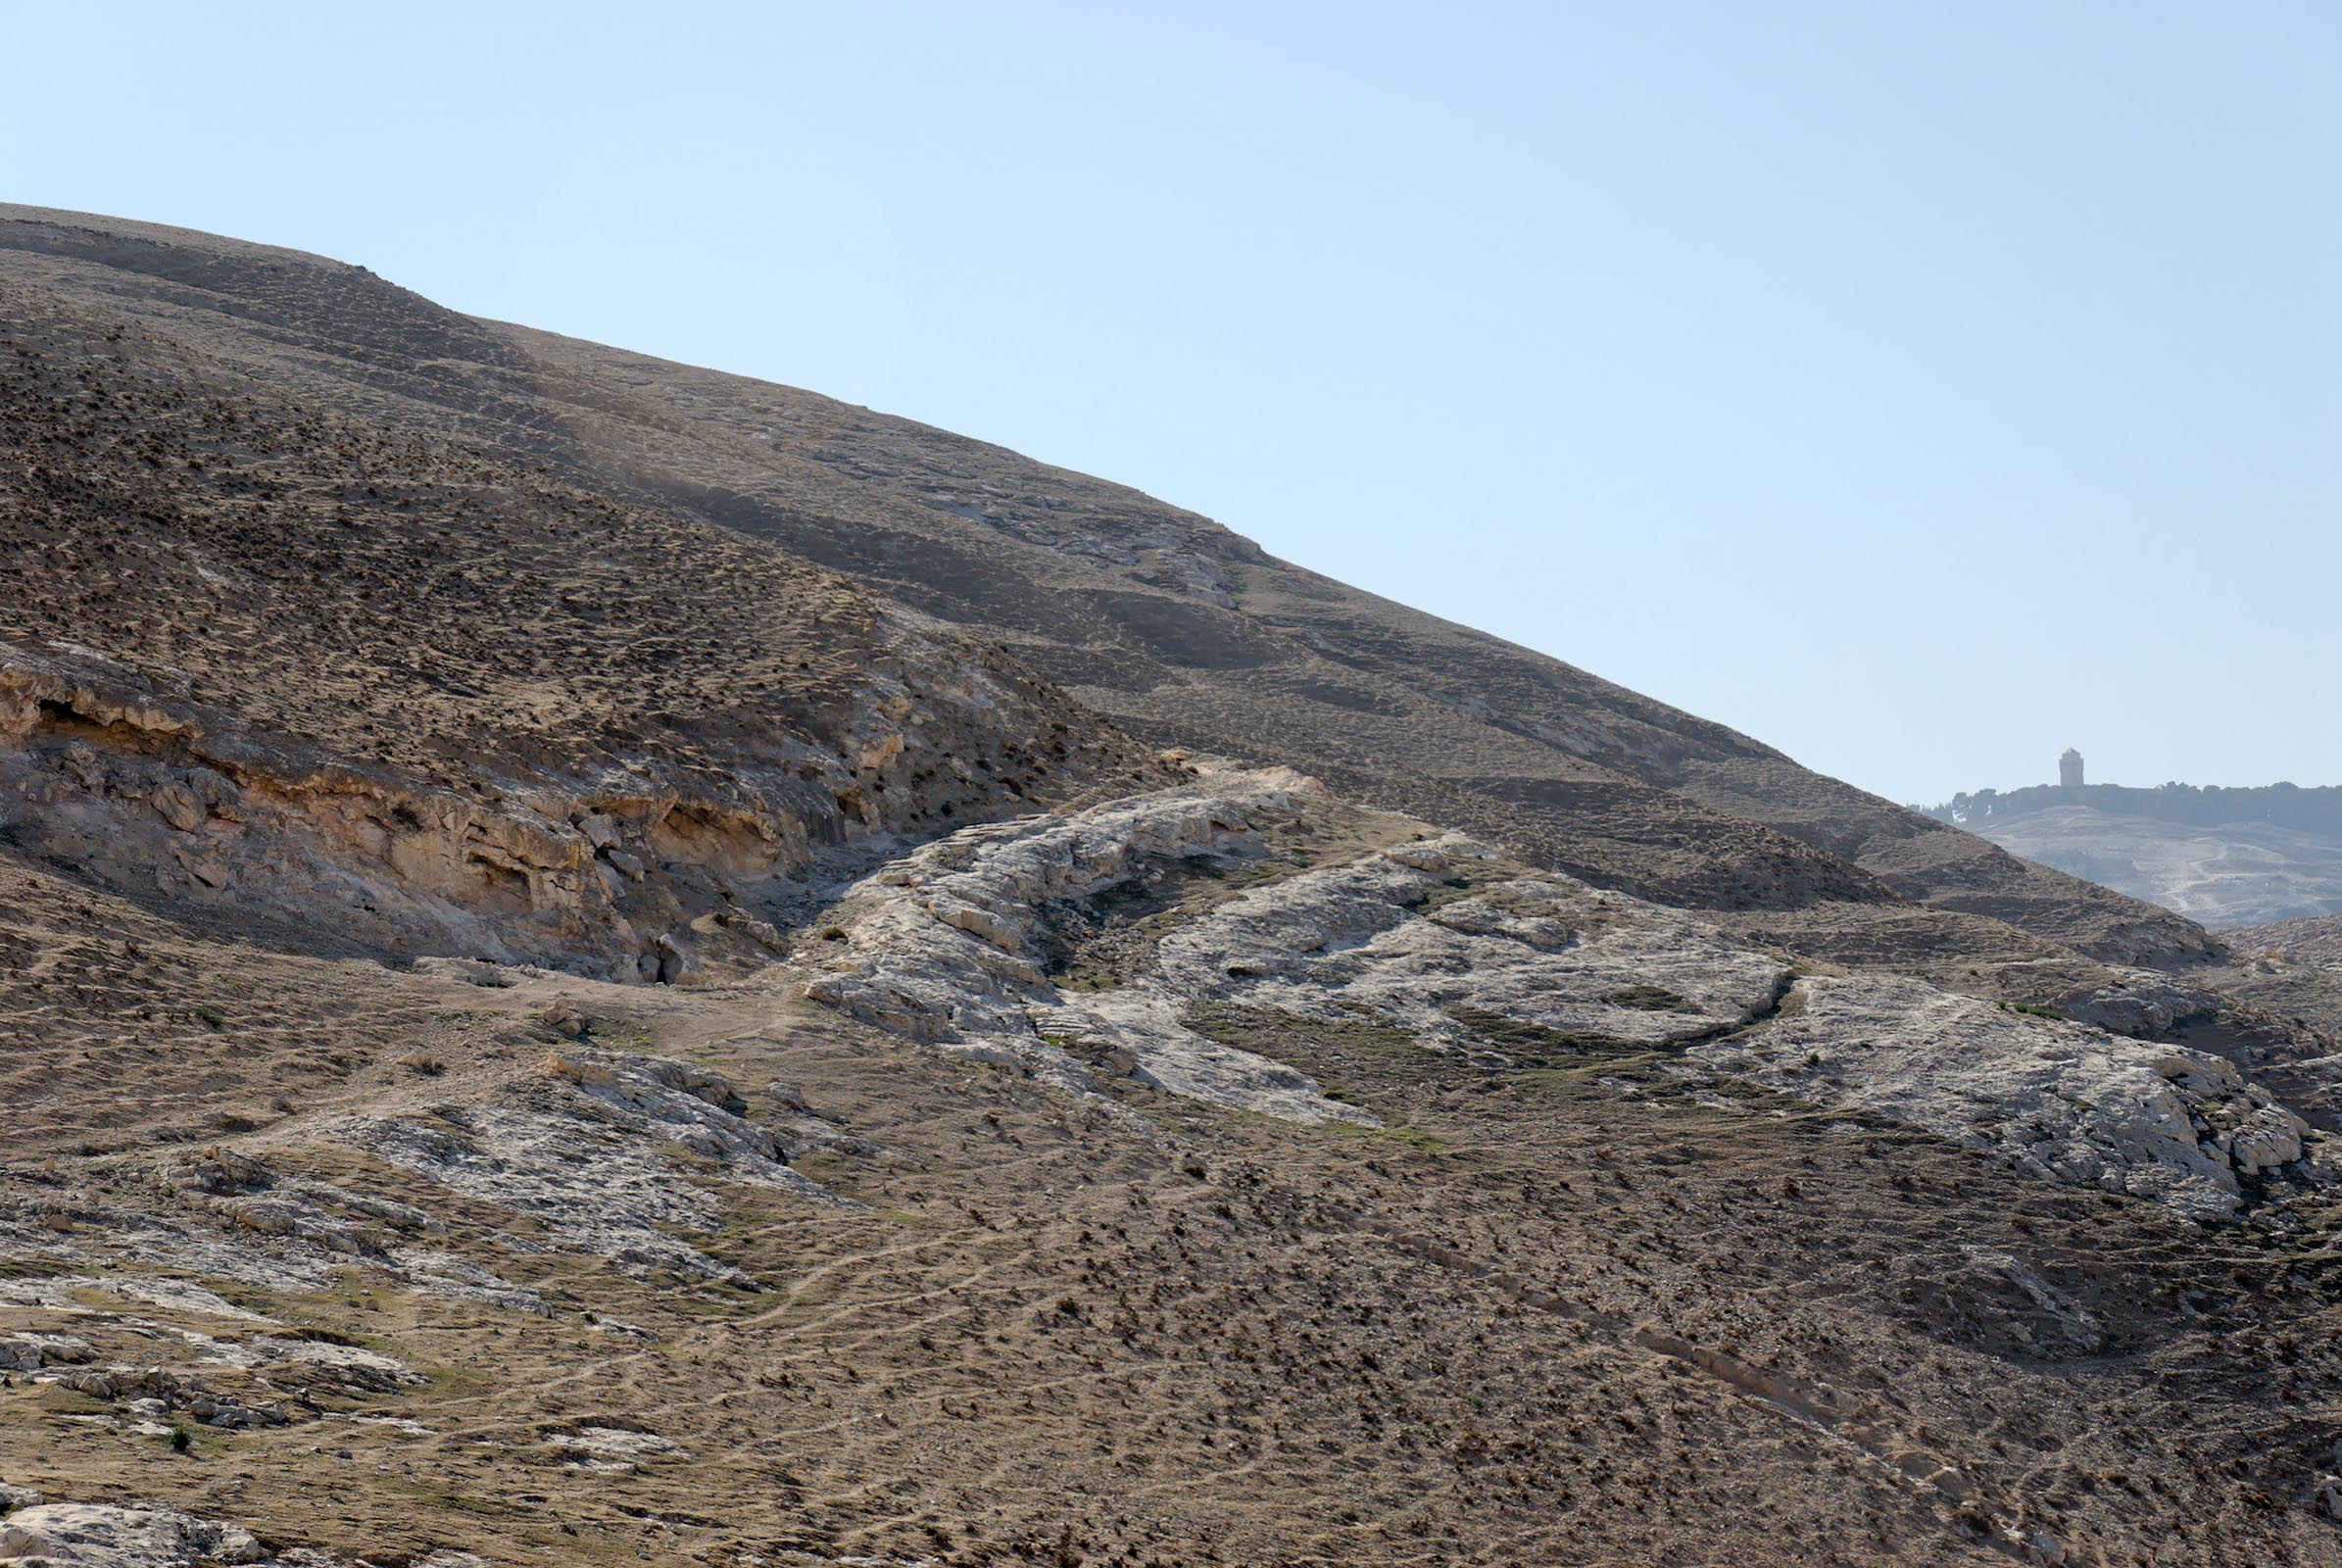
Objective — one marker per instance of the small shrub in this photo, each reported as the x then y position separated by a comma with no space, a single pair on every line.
213,1016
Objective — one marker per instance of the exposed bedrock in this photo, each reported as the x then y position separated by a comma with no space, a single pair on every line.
1446,945
949,945
2063,1101
640,869
62,1533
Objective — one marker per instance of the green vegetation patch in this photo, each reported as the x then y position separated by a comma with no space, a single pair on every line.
1534,1045
1272,1032
1401,1133
1650,999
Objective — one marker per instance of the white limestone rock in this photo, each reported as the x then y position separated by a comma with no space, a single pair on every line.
581,1153
2142,1004
1540,950
613,1451
2063,1101
936,947
30,1351
94,1534
1438,936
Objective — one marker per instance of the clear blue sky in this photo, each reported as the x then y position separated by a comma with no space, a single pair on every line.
1920,388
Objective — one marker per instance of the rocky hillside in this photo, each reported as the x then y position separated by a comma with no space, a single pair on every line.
1182,632
372,689
604,961
2317,939
2292,967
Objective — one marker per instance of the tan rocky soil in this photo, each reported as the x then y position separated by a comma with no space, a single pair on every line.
492,1277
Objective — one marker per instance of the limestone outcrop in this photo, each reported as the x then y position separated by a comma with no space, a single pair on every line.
1461,951
2063,1101
75,1534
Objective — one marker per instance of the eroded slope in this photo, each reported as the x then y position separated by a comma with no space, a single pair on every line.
1185,632
540,1269
286,670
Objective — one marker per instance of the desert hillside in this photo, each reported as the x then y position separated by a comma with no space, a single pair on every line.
612,963
1168,623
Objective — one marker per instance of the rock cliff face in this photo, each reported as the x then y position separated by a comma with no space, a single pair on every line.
600,960
630,871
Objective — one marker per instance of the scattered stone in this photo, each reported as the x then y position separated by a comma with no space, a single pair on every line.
29,1352
218,1170
472,971
562,1016
588,1169
677,966
615,1451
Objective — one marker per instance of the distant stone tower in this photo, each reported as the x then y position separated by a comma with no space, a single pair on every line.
2069,769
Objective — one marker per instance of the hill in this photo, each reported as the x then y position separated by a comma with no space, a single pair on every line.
2222,857
611,961
1159,619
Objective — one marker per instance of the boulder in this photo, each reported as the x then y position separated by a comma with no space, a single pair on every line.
176,804
562,1016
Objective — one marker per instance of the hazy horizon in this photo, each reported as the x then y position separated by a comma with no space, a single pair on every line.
2120,783
1919,394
